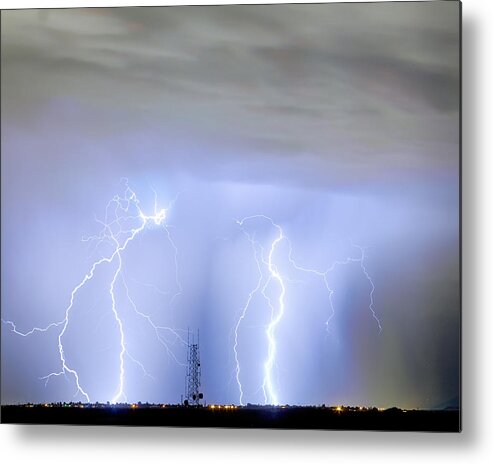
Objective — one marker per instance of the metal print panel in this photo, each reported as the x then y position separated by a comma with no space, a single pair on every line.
240,216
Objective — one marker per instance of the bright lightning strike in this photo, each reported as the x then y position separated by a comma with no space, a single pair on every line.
277,309
124,221
276,316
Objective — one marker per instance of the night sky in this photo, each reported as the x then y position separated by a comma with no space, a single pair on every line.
339,122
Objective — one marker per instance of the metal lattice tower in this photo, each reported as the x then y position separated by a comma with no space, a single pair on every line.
193,395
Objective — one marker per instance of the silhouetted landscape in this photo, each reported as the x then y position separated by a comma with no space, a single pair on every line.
250,416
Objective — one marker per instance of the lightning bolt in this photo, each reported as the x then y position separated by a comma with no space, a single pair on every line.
124,221
276,316
370,280
256,247
324,276
277,309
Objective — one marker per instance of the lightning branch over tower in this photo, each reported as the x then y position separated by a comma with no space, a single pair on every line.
124,221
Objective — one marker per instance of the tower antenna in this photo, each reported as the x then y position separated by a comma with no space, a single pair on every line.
193,395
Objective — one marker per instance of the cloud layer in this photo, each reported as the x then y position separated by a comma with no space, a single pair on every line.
346,90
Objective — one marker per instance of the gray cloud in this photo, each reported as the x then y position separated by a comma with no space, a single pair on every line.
372,80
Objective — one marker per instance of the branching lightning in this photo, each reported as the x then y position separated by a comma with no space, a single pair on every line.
277,309
124,221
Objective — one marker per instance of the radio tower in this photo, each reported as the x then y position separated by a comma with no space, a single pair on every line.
193,395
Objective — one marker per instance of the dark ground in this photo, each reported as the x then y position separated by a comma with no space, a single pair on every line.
241,417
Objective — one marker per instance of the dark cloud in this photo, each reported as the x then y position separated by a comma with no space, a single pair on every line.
298,79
